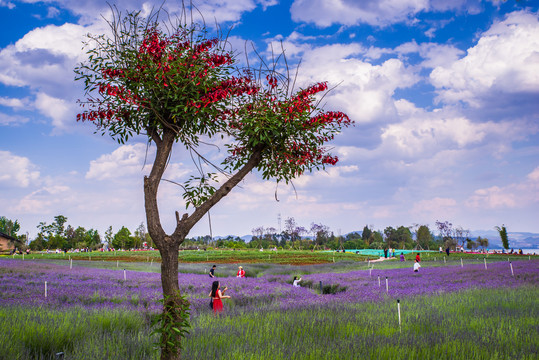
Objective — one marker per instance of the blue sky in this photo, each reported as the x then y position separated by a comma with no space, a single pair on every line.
445,96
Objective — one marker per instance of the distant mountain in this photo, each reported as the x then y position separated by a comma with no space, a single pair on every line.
517,240
245,238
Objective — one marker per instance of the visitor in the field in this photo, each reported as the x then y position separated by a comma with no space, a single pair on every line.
417,258
216,294
212,271
416,266
402,257
241,272
296,281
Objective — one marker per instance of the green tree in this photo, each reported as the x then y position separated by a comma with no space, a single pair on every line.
140,236
58,225
109,236
470,244
483,242
403,237
9,227
424,236
503,236
180,86
366,234
390,236
123,239
54,235
39,243
93,239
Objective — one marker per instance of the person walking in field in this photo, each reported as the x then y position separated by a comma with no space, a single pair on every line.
241,272
217,295
416,266
417,258
212,271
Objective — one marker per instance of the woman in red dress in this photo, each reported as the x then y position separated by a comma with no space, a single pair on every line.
216,294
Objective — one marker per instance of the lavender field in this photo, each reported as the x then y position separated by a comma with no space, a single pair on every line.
447,311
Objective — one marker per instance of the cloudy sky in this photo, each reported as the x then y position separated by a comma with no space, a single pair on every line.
445,96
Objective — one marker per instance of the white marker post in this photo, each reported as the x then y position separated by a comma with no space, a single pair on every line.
387,286
399,311
444,259
22,256
117,262
151,263
379,281
370,272
70,264
485,259
45,289
461,264
512,273
125,278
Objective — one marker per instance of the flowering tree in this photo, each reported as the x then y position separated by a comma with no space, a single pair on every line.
176,86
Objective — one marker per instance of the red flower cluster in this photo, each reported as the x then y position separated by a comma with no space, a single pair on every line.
101,113
316,88
112,73
153,45
328,159
272,81
329,117
227,88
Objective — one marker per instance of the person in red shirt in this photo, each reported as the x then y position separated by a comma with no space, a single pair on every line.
241,272
417,258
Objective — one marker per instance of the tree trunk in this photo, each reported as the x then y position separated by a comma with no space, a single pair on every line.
174,305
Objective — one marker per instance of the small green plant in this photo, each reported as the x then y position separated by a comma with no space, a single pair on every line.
173,320
333,289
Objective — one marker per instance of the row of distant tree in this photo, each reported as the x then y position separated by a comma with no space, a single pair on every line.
60,235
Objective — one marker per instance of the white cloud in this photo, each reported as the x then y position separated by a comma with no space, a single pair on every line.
324,13
14,102
432,208
12,120
127,160
504,61
17,171
364,90
434,54
43,58
60,111
40,201
422,133
7,4
515,195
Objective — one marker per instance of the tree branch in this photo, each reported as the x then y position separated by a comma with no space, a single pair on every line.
185,224
151,185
